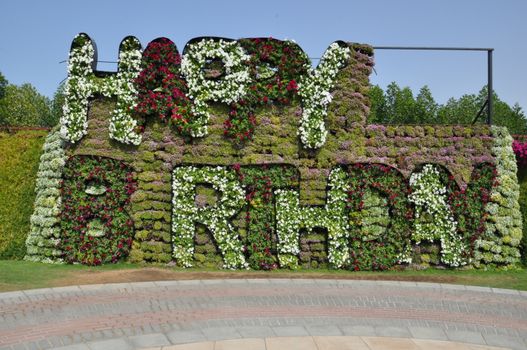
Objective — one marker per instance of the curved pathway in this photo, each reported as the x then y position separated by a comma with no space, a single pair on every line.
207,313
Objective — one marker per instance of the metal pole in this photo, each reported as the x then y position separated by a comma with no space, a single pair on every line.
489,87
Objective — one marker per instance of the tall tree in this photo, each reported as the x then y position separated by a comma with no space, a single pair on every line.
24,106
426,107
398,106
3,85
56,105
378,105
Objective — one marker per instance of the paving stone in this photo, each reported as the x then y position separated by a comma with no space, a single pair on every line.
448,286
340,343
358,330
433,333
111,344
505,291
66,290
465,337
44,344
478,289
387,343
221,333
290,331
13,295
505,341
398,332
240,344
186,336
196,346
74,347
255,331
290,343
324,330
149,340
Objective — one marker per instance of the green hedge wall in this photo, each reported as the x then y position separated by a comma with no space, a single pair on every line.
19,159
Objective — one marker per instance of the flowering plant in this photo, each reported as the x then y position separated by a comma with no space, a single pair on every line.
95,225
123,127
433,216
290,218
275,67
43,241
499,244
231,88
259,184
315,90
82,84
520,150
186,213
161,90
390,246
78,89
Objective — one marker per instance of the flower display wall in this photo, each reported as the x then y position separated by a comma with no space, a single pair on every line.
252,193
43,241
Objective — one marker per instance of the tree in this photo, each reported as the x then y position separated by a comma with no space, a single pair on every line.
398,106
378,105
3,85
426,107
56,106
460,111
24,106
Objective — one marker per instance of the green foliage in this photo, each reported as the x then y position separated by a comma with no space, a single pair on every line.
24,106
19,158
398,106
56,106
3,85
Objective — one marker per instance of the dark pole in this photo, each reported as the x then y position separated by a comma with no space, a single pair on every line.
489,87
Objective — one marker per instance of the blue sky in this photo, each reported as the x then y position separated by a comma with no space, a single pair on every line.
36,35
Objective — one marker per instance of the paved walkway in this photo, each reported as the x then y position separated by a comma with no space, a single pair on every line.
264,314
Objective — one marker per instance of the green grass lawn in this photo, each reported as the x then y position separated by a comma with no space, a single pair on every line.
17,275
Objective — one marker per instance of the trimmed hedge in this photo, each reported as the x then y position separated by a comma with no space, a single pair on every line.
19,159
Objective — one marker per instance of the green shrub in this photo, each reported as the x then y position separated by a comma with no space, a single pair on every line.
522,180
19,158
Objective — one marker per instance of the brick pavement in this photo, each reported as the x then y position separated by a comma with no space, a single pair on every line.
157,314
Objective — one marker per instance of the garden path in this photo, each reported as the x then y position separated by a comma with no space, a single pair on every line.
264,314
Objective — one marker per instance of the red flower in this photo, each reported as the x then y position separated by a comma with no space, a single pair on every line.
292,86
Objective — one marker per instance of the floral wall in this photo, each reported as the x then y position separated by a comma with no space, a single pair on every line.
239,154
